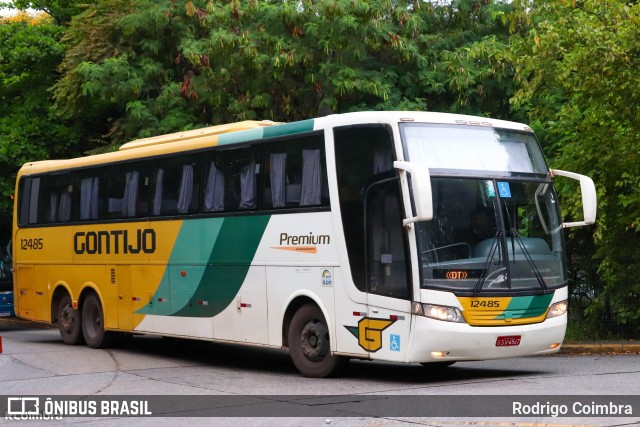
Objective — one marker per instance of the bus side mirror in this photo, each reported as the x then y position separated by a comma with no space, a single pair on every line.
589,199
421,188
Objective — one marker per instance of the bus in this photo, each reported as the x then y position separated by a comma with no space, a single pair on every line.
411,237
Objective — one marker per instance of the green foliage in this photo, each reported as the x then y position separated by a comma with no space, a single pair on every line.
137,69
29,55
161,66
579,72
60,10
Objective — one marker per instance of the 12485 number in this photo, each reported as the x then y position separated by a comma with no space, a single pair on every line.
31,244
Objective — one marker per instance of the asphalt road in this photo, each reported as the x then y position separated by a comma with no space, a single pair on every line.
34,361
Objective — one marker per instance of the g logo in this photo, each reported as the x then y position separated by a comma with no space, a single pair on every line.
369,332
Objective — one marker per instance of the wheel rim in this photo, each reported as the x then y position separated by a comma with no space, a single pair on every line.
68,318
314,340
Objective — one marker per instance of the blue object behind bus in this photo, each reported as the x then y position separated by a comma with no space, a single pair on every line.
6,282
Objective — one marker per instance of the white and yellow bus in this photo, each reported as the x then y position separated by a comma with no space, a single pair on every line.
399,236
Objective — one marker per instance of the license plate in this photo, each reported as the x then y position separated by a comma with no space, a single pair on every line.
508,341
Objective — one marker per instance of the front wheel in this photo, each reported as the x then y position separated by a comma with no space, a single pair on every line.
309,344
93,323
69,322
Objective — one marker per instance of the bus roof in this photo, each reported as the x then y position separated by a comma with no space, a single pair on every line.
197,133
245,131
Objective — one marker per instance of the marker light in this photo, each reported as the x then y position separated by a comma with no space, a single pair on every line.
554,346
557,309
438,312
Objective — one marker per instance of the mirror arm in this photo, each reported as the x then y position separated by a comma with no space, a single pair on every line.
421,189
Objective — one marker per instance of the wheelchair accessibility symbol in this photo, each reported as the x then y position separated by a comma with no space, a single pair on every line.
394,343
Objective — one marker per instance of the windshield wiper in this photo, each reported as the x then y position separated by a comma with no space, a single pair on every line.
527,256
525,252
487,263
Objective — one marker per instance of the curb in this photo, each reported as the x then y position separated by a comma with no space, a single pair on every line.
632,347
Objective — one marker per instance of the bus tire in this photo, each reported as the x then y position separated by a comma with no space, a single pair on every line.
93,323
309,344
69,322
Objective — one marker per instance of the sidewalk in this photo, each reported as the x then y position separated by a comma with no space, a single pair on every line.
603,347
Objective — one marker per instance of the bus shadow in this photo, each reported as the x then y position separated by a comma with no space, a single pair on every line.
274,361
222,355
417,374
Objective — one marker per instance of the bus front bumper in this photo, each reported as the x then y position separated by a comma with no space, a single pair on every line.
436,340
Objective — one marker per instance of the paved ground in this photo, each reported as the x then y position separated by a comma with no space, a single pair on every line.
601,347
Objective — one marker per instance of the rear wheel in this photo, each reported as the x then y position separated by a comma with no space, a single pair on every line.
309,344
93,323
69,322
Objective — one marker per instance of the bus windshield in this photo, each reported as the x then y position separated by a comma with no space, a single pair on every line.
492,234
473,148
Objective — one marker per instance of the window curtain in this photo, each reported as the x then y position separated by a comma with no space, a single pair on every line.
94,198
157,195
185,192
311,186
89,188
278,171
130,194
64,212
214,193
248,186
382,161
53,213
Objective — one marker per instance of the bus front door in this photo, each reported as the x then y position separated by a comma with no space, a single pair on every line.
388,273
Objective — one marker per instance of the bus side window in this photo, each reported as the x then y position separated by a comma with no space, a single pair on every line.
24,191
176,186
231,183
57,198
90,200
127,191
28,208
296,174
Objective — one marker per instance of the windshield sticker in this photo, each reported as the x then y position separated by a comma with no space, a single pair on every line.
504,189
491,192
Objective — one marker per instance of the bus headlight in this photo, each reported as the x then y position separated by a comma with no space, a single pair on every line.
557,309
438,312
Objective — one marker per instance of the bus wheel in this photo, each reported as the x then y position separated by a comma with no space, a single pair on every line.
93,323
309,344
69,322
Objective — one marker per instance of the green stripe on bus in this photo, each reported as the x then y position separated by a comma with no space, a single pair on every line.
229,263
289,128
524,307
192,246
241,136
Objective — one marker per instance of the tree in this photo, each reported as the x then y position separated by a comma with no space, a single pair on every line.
29,54
579,72
60,10
162,66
